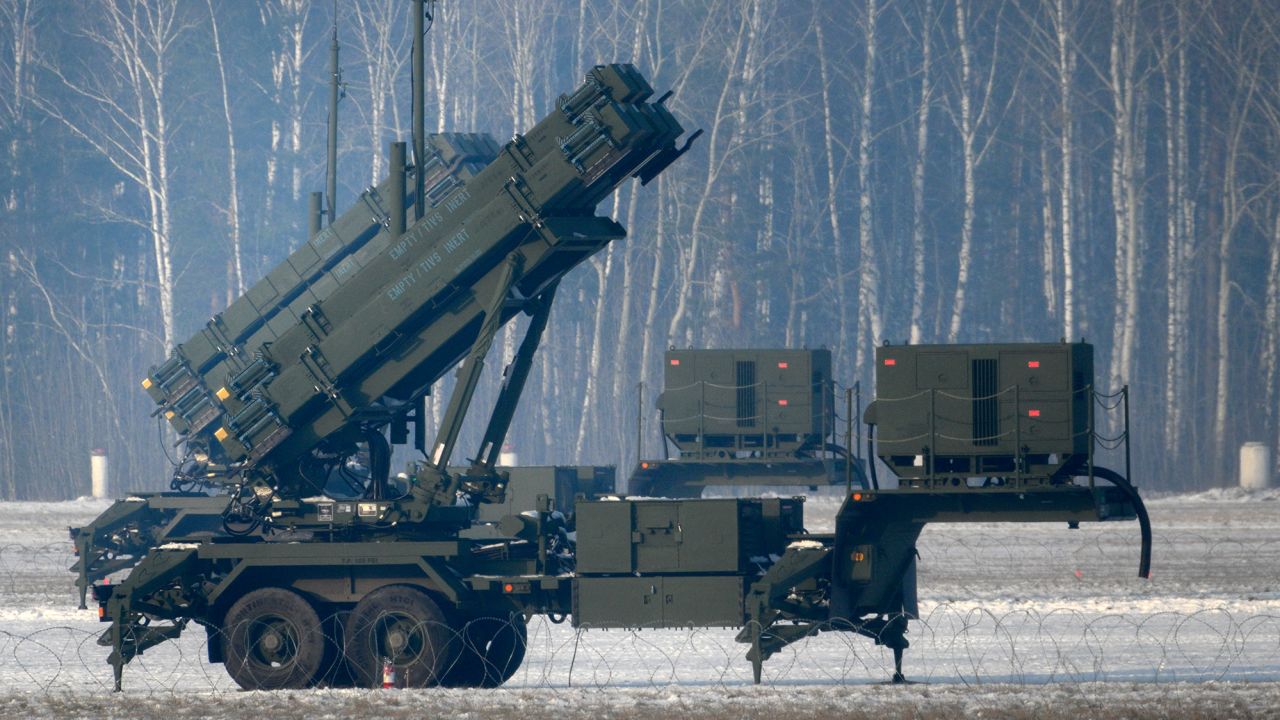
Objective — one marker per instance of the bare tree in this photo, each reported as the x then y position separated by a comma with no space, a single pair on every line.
975,98
19,17
919,166
289,18
1241,56
833,204
1179,224
235,289
1125,86
122,113
871,323
382,47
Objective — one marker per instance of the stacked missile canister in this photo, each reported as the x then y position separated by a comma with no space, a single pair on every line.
362,318
226,352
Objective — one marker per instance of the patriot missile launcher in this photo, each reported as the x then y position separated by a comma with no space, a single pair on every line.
344,338
323,364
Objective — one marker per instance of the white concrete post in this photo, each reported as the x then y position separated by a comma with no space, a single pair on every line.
507,458
98,473
1255,466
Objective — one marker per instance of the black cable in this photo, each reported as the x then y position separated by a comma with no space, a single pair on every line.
160,436
1144,520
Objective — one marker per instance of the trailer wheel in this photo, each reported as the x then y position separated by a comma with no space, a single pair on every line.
401,625
493,650
272,640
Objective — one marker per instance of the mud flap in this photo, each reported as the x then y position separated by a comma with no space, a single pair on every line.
910,601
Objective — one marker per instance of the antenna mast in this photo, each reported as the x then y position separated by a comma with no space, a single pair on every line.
335,80
423,16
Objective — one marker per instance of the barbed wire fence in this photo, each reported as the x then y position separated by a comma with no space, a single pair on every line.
950,644
1013,617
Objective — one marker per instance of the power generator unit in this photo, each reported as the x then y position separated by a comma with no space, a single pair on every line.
724,403
946,412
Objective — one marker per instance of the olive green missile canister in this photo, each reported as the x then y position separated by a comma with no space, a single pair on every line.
359,322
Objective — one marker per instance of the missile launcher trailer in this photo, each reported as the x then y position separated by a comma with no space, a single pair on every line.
326,360
748,417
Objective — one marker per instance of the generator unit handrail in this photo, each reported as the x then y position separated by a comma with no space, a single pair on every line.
1090,431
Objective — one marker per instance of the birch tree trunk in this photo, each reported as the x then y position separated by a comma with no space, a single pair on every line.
918,175
129,126
1066,45
1178,228
284,161
233,191
970,121
651,303
1124,185
382,45
18,18
1048,243
870,329
833,203
1271,341
721,125
1234,205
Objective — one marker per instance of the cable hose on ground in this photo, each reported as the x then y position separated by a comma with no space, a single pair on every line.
1144,520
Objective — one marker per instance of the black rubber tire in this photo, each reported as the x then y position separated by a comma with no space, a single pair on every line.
272,640
403,624
493,650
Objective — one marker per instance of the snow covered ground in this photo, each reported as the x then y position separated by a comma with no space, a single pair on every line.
1018,621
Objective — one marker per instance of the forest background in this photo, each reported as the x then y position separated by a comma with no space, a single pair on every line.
872,171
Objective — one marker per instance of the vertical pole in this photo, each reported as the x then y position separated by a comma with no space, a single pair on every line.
639,422
1092,400
764,402
1017,433
1127,469
848,440
702,416
331,169
397,190
928,454
315,213
857,408
419,98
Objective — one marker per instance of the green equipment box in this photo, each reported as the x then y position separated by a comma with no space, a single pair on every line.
656,601
974,410
717,402
629,537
